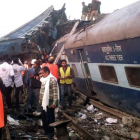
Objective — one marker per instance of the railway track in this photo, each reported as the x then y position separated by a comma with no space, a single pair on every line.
88,128
82,129
84,132
105,108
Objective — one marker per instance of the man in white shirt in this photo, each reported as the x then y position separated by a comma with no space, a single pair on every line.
7,75
18,81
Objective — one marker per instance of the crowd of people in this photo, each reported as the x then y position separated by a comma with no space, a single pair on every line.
91,11
44,83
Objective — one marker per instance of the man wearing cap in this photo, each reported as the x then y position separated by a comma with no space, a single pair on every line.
84,11
28,83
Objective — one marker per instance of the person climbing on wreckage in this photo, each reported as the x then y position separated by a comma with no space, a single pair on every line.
49,99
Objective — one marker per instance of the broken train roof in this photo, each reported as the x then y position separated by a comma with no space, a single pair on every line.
29,26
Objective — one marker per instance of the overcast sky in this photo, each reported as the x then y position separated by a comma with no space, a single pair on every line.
14,13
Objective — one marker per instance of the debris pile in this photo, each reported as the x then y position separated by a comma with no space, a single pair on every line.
98,122
29,127
95,121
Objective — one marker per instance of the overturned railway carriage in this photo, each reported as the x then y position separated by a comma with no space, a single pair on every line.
106,59
18,48
16,43
40,32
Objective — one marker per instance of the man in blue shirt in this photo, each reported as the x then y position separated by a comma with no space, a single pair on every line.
28,82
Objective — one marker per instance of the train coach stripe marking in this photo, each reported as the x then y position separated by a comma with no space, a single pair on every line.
96,76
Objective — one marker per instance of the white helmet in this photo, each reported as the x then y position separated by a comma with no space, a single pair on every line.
33,61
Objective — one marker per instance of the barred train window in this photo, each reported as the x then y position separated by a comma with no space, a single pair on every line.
108,74
74,69
133,76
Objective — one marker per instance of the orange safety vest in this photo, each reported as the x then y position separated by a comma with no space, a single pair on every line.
44,65
53,69
1,111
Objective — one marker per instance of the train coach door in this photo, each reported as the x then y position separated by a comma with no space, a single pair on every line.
85,70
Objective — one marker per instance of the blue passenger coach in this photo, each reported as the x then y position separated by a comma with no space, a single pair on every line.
106,59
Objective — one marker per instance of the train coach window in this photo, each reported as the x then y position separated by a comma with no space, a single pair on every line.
108,74
133,76
74,69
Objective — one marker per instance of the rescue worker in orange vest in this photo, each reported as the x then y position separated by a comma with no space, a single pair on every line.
66,76
3,108
52,67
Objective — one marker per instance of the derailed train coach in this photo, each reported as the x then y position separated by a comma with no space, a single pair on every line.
18,42
105,59
28,41
58,46
18,48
